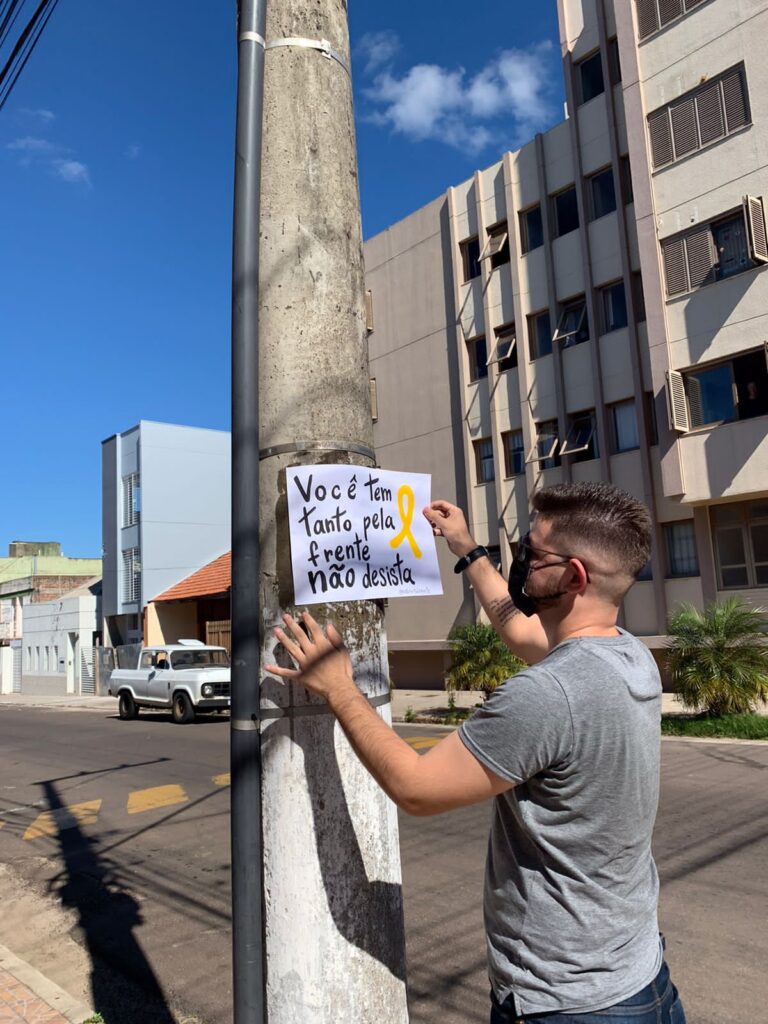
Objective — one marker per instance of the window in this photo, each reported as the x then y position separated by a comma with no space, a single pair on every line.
682,559
625,435
638,296
547,442
131,575
653,15
514,452
614,307
47,661
581,440
531,229
478,358
699,118
506,348
539,335
55,658
740,533
650,414
497,247
614,64
590,77
484,460
131,499
28,665
572,327
734,390
565,212
720,249
625,177
470,257
602,194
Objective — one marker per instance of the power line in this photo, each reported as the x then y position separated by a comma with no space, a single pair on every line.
24,45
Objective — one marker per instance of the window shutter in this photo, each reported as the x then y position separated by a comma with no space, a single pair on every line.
755,217
735,99
669,10
674,266
647,17
684,131
660,134
678,408
701,257
710,112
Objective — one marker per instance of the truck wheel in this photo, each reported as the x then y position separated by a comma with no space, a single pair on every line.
182,710
126,706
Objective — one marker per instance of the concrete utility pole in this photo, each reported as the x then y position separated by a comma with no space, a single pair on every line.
333,901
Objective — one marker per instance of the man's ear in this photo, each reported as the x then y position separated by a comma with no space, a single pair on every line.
577,584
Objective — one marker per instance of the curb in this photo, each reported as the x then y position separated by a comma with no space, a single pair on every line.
44,989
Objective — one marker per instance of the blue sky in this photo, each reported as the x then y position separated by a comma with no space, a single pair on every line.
116,205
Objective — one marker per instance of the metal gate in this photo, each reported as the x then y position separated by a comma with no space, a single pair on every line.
219,634
17,649
87,676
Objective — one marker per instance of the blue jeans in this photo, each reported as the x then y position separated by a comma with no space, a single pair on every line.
657,1003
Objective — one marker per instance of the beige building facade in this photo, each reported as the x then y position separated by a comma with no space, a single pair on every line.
594,306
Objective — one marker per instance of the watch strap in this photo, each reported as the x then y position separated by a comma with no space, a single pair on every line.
469,558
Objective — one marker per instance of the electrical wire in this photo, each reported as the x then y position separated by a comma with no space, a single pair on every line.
24,48
10,9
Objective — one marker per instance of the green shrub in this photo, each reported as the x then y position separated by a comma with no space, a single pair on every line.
481,660
719,658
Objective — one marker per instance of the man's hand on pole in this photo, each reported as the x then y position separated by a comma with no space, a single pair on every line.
324,665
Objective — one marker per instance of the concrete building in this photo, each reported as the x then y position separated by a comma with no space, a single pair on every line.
59,640
34,572
165,513
594,306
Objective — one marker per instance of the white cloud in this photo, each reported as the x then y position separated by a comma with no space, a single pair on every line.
30,144
133,152
468,112
72,170
41,114
378,48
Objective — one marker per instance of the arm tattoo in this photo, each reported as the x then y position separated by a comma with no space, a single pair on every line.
503,609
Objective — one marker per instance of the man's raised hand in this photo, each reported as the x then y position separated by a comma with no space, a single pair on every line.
448,521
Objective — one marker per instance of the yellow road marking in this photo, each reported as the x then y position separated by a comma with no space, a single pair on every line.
221,780
158,796
50,823
422,742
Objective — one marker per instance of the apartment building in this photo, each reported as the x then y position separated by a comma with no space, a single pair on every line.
594,306
166,512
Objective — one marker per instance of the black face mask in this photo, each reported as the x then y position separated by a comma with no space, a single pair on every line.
518,577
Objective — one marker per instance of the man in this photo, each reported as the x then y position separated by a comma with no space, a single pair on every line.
568,749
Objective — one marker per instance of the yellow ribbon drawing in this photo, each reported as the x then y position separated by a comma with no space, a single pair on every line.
405,505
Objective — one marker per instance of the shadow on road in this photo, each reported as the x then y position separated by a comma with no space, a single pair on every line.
124,988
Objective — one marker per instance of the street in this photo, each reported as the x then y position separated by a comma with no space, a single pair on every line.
114,872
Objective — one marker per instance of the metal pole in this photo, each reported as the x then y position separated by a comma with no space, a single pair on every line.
245,753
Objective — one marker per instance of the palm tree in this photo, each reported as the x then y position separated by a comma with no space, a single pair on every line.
719,657
480,661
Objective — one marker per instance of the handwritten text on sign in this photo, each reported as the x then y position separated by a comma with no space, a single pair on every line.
358,533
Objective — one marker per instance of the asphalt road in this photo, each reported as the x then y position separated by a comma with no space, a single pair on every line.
125,826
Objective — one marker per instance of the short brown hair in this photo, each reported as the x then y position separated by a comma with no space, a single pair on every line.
600,516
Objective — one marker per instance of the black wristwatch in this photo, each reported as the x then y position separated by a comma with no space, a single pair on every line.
469,558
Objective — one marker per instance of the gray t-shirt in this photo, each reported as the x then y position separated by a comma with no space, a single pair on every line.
571,888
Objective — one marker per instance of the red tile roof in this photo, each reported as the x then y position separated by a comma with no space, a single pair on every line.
214,578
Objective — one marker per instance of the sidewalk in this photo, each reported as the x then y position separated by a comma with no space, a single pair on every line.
27,997
422,702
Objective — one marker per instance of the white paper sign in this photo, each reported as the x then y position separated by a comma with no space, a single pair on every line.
358,533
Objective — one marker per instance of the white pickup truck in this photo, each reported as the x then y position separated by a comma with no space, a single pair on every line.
185,677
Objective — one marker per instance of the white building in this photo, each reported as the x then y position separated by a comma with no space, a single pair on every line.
59,637
594,306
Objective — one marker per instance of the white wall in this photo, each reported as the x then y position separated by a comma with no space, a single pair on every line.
47,626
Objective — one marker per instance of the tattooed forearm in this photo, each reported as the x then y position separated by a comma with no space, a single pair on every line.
502,609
